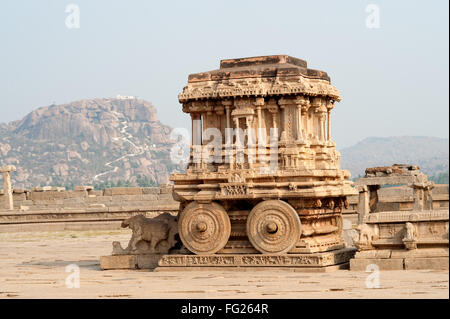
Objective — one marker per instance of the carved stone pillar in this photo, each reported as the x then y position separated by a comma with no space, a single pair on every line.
320,113
228,104
299,123
302,104
259,102
322,127
304,115
328,126
330,106
236,125
273,110
192,127
7,187
196,139
422,196
289,122
363,208
196,129
373,197
259,130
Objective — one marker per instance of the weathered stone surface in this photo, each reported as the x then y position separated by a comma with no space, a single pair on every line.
48,195
95,193
149,197
119,262
84,188
436,263
166,189
148,261
48,189
123,191
383,264
419,253
150,190
381,254
128,262
80,193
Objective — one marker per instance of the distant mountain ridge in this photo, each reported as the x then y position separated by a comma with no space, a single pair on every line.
430,153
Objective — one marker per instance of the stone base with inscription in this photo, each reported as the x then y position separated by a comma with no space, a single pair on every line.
334,260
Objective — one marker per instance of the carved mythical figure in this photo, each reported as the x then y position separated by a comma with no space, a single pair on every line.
365,236
150,235
410,238
410,231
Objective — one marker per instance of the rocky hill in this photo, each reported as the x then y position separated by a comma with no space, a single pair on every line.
430,153
87,142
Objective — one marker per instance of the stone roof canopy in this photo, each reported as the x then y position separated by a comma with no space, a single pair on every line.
262,66
259,76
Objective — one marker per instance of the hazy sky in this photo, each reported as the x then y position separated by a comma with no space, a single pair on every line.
393,79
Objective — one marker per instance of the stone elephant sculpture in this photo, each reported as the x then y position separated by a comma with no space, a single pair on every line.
365,236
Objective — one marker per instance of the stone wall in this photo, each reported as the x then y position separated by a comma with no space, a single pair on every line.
54,208
51,198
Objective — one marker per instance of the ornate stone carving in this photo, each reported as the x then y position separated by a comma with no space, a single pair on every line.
253,260
273,227
366,235
204,228
420,229
410,239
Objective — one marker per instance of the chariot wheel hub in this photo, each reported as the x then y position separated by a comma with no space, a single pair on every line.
271,227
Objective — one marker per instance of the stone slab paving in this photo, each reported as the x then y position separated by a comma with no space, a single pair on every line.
33,265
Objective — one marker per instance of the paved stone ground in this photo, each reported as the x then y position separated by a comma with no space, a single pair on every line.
33,265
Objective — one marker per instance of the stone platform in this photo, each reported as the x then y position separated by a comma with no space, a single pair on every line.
387,259
325,261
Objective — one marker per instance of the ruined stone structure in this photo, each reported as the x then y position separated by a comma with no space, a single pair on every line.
403,239
7,188
264,175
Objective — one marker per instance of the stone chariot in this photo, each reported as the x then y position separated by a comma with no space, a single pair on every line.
273,185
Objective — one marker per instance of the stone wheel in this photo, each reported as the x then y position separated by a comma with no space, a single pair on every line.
204,228
273,227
